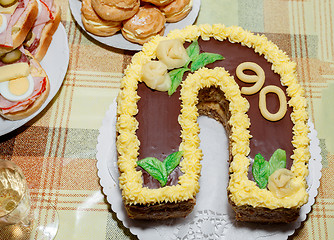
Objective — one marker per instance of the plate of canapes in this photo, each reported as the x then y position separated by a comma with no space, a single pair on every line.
129,24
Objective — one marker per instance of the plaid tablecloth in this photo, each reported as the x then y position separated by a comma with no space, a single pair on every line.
57,150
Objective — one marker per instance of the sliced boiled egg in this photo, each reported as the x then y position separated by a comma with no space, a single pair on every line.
17,89
3,23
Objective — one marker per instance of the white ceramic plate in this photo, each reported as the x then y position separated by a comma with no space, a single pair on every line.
212,217
55,64
117,40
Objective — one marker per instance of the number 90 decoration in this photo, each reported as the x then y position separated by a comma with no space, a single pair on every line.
258,80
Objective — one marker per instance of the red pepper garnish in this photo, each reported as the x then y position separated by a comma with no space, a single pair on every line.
5,46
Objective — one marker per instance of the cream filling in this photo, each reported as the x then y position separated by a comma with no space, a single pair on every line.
98,25
129,34
185,9
162,2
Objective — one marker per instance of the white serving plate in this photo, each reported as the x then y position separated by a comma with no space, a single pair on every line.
118,41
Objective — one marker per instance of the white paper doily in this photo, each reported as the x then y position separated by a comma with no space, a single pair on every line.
212,217
55,64
118,41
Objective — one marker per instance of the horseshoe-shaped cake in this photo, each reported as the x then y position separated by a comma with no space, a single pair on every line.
239,78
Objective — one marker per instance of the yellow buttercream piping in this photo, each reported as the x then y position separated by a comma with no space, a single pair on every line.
242,190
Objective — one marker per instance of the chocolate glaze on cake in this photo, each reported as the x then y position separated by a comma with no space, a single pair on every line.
158,113
267,135
158,116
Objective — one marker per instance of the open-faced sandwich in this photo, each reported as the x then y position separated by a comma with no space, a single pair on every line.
16,19
39,37
24,85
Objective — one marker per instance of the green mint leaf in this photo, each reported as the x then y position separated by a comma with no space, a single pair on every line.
277,160
176,76
172,160
260,171
193,50
204,59
155,168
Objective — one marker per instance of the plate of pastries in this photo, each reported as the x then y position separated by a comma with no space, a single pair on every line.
128,24
32,39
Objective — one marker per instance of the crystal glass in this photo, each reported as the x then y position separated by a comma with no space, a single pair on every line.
16,211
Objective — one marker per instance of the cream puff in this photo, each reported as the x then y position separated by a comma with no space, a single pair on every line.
96,25
146,23
158,2
176,10
115,10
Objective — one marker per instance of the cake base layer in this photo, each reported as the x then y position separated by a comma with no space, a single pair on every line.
161,211
265,215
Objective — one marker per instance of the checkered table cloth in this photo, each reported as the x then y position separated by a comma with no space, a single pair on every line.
57,150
